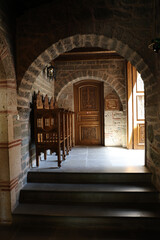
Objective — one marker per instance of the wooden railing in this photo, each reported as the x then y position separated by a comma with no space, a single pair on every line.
53,129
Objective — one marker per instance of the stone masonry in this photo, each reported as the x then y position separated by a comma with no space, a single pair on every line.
112,73
115,122
45,32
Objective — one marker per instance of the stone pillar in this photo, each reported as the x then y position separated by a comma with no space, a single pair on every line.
10,143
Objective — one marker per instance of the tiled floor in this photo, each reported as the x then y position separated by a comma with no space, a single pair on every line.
96,159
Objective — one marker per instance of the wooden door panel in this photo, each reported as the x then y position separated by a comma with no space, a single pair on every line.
141,134
88,118
89,100
136,114
89,134
138,103
88,112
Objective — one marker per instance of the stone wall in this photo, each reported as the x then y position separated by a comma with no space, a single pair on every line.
46,87
44,33
111,71
66,98
130,22
115,129
153,125
72,71
10,141
43,85
115,122
129,54
28,153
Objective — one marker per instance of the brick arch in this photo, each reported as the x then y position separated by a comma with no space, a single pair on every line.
109,80
76,41
92,40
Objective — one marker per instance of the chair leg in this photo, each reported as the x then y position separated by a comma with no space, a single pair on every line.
45,155
37,160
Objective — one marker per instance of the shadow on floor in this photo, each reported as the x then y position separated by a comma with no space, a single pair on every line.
59,233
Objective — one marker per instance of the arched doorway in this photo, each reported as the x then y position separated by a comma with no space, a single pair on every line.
89,113
74,42
115,93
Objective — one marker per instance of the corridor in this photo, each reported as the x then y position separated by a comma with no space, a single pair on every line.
96,159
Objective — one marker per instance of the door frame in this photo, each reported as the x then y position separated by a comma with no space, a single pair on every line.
101,106
132,135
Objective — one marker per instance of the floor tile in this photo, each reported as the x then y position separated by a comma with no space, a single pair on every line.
97,159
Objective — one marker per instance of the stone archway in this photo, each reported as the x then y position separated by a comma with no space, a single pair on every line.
110,81
116,136
77,41
92,40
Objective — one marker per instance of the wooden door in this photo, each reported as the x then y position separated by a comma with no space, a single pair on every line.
138,103
89,114
136,118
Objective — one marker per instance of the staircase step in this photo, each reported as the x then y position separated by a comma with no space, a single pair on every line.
56,192
82,210
100,187
114,201
84,177
121,217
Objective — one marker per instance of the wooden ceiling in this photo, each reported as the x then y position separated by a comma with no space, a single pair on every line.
88,54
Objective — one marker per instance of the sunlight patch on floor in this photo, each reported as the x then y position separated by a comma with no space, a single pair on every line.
96,159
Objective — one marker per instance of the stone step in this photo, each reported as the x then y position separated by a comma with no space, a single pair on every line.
118,217
87,177
50,193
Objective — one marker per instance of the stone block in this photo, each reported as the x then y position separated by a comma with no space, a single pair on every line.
39,63
23,165
155,157
128,53
24,126
26,85
25,134
15,161
152,80
33,70
145,73
5,207
3,128
4,161
46,58
25,156
152,100
22,103
17,132
59,47
25,142
9,67
150,133
29,77
157,137
24,113
76,40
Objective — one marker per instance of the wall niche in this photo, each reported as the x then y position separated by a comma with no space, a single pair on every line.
112,102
